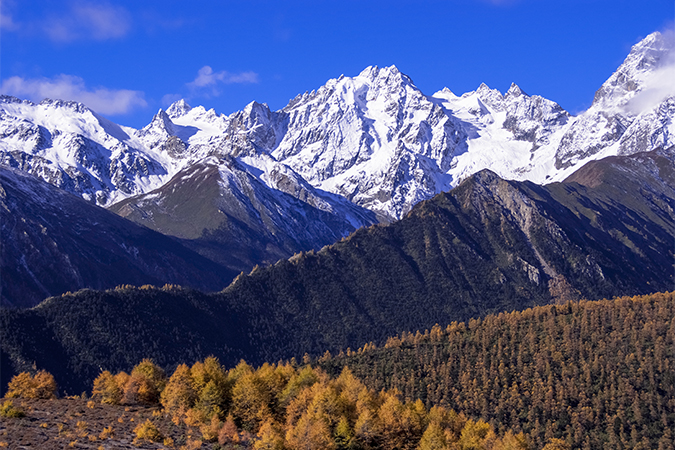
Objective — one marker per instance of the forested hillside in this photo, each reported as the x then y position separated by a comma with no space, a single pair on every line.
599,375
581,375
487,246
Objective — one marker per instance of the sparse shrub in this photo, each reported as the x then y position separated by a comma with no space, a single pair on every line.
10,411
40,386
148,431
82,428
121,379
21,386
45,385
107,433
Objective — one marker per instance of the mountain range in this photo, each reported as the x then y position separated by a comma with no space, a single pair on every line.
488,245
259,185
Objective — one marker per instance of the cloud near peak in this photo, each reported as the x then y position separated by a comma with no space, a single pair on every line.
68,87
7,23
206,77
657,85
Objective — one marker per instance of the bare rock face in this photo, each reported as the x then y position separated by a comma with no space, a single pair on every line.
533,119
237,219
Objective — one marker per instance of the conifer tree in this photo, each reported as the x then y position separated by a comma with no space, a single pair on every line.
269,437
179,394
106,389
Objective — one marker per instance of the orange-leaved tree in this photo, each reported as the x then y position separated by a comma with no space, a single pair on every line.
40,386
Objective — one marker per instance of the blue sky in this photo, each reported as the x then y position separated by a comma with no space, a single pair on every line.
127,59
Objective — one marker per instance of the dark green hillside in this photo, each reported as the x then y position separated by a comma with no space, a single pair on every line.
52,242
487,246
600,375
77,335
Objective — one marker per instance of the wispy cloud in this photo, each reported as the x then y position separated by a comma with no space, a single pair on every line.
659,83
207,77
68,87
168,99
208,83
98,21
7,23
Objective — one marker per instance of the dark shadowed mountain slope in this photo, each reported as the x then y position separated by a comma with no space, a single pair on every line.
488,245
218,208
53,242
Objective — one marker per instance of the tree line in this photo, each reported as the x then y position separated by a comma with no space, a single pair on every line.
281,406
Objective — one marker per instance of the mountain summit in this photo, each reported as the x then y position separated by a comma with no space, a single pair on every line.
374,139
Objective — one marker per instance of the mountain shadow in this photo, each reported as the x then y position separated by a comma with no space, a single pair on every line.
53,242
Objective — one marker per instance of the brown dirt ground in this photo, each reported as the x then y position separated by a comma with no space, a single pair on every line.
77,423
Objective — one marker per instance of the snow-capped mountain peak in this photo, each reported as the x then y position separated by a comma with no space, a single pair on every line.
374,138
632,111
385,75
646,57
157,131
514,91
178,109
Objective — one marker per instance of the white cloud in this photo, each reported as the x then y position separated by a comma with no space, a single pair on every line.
98,21
207,78
659,84
7,23
68,87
